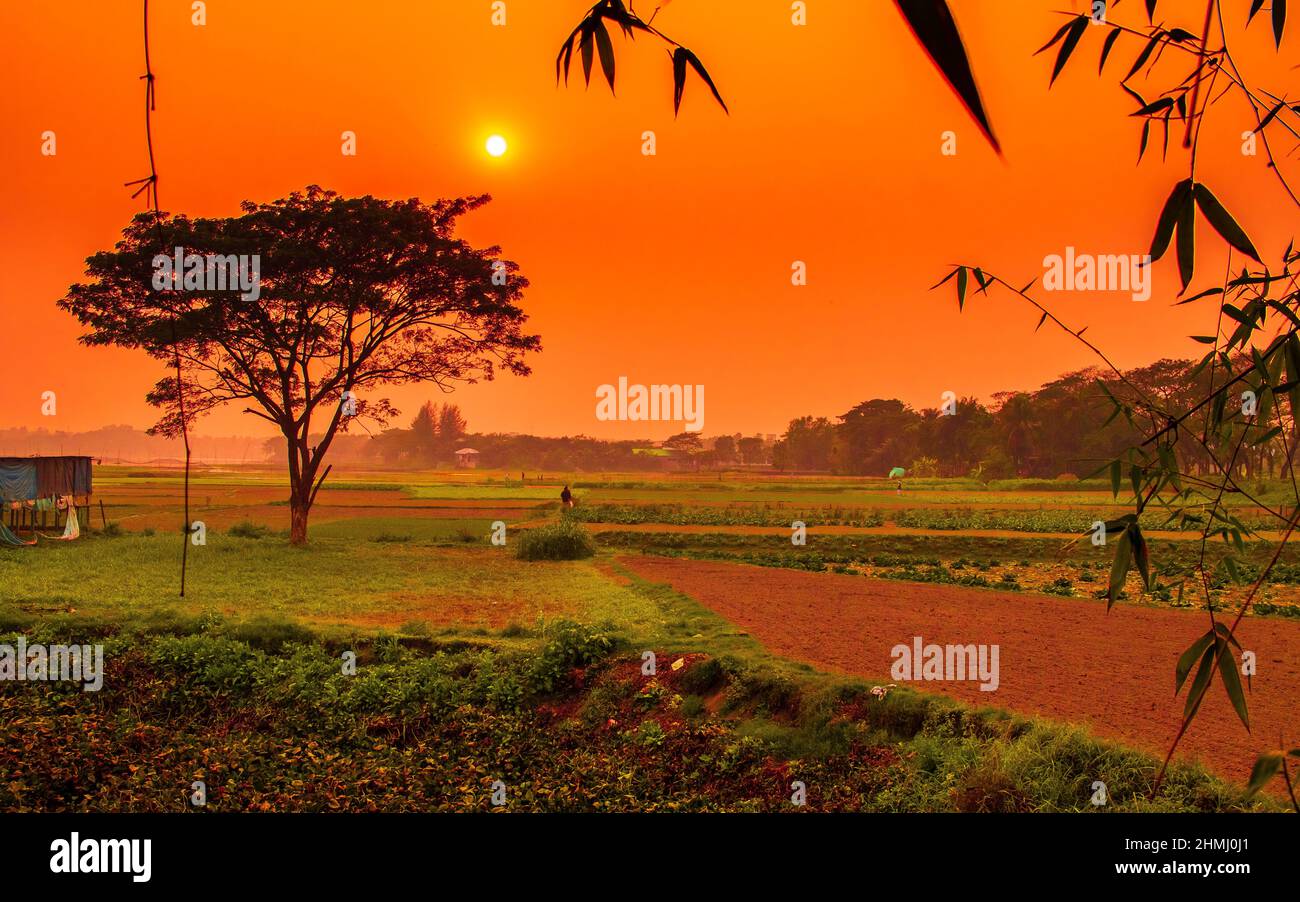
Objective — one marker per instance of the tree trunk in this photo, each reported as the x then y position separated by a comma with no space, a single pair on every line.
299,490
298,509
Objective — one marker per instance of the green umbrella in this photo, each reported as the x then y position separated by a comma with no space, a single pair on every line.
896,472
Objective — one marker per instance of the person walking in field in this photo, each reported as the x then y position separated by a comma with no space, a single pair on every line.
566,497
897,474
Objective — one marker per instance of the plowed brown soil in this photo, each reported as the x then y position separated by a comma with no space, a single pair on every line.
1066,659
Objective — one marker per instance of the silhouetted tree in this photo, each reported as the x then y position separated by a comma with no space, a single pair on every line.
355,294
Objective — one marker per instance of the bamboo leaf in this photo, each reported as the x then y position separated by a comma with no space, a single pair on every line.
1204,294
1077,28
704,74
1204,670
679,77
945,279
1189,657
1267,437
1155,106
565,56
1146,53
1178,198
1060,33
587,45
681,59
1292,352
934,27
606,49
1269,118
1187,242
1141,556
1267,766
1225,632
1232,679
1223,222
1105,49
1119,568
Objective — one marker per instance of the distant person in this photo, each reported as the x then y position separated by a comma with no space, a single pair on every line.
566,497
899,483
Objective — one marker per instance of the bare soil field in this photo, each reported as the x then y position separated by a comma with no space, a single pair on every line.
1065,659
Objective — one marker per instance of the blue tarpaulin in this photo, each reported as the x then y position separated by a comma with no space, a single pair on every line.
29,478
18,481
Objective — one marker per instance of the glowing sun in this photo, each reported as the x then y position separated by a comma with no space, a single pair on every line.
496,146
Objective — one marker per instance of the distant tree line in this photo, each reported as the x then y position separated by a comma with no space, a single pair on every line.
437,432
434,436
1067,426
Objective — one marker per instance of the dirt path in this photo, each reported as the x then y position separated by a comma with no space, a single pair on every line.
1061,658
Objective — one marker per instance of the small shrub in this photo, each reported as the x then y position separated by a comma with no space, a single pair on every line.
1061,586
563,541
569,645
15,621
988,790
764,692
217,664
269,634
650,734
247,529
415,628
702,677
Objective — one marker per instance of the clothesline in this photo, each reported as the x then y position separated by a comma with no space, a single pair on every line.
72,523
26,479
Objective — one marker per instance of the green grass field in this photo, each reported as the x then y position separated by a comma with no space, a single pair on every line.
530,654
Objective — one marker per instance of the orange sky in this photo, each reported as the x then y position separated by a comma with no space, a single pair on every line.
670,269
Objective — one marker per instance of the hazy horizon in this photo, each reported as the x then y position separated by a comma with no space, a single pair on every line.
838,188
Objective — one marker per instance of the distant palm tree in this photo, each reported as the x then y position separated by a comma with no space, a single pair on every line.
1018,422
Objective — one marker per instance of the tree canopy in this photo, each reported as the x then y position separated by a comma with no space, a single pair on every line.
354,294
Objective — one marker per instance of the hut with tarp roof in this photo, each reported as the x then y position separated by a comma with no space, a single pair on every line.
43,493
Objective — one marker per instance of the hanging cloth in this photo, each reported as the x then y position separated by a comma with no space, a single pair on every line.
72,528
7,537
17,481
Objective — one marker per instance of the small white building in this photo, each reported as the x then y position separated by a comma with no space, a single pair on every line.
467,458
